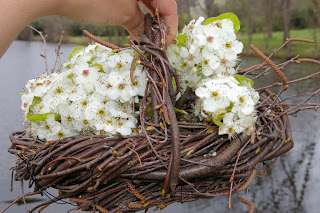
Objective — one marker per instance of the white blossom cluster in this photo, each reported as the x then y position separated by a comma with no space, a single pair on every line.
93,94
203,51
205,55
226,99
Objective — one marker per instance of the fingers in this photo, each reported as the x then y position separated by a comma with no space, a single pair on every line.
135,23
149,6
167,10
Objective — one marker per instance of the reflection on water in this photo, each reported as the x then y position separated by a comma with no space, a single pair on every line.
293,182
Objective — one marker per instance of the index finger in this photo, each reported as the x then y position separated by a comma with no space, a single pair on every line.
168,11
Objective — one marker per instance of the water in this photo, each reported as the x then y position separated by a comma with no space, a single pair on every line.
293,184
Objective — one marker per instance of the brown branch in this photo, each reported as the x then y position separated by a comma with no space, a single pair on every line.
300,39
270,63
308,60
133,65
203,171
58,53
44,47
102,42
247,202
253,67
175,146
289,82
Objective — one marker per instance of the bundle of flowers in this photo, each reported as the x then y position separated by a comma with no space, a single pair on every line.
93,92
91,95
167,126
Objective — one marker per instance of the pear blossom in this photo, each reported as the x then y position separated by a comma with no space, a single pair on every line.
230,125
203,51
242,101
214,95
48,130
26,99
229,103
91,94
85,74
209,37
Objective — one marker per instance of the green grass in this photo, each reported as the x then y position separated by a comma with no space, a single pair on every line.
302,48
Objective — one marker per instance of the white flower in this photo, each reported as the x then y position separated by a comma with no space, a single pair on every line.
209,37
86,74
210,63
48,130
121,87
242,101
226,25
26,99
125,126
41,85
230,125
247,123
234,46
93,93
67,115
214,95
121,60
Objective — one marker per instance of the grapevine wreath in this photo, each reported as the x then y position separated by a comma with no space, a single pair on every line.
126,129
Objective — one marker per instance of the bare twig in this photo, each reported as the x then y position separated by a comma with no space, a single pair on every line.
44,55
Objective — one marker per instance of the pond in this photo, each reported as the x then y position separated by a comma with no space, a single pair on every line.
292,185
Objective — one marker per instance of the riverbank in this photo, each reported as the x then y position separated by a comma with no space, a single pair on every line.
304,49
310,50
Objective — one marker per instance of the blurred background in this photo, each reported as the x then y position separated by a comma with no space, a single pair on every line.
265,23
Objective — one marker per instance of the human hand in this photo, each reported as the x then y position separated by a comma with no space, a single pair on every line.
126,13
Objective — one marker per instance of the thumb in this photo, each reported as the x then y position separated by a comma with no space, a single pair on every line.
135,23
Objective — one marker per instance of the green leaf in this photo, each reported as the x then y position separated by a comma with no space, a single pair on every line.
217,122
71,77
189,153
100,67
174,83
218,116
181,38
231,16
35,101
181,111
147,54
68,66
149,112
75,51
242,80
229,108
42,117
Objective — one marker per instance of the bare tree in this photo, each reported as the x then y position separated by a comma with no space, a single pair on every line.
251,12
188,5
207,6
268,16
185,8
286,23
316,6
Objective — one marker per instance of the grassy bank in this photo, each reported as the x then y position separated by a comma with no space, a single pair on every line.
258,39
302,48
